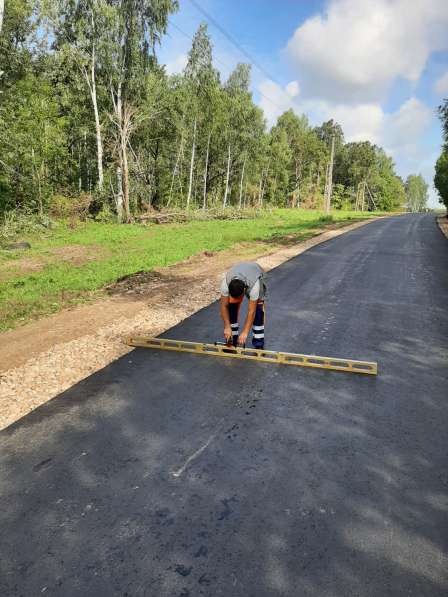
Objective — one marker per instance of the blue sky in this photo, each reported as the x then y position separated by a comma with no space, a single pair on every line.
378,67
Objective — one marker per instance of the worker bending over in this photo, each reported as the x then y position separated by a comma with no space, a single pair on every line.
246,278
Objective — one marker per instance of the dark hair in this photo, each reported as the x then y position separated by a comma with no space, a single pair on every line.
236,288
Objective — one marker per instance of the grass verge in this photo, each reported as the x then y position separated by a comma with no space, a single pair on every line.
107,252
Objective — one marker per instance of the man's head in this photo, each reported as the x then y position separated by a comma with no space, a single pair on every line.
236,288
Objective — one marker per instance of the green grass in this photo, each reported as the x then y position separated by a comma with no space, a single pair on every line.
121,250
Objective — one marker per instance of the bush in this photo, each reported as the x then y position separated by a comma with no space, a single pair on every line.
16,223
327,219
73,208
60,206
106,215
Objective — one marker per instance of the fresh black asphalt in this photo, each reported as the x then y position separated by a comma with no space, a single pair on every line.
176,475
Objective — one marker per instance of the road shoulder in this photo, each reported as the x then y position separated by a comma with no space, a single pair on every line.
443,224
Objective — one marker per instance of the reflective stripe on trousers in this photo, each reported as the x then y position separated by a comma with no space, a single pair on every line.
257,326
234,311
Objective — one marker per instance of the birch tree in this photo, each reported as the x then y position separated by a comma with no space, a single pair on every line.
201,80
135,29
244,126
79,27
416,192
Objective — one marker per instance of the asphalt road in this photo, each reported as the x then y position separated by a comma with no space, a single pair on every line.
177,475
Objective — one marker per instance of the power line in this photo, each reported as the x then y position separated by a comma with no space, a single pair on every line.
235,43
227,66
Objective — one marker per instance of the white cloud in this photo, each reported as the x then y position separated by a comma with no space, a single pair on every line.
293,88
359,123
396,131
275,100
349,55
403,136
441,85
356,49
403,129
177,65
401,133
400,130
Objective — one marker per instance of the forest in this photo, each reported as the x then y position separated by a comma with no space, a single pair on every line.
91,123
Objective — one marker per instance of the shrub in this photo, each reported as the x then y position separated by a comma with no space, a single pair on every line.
106,215
327,219
72,208
16,223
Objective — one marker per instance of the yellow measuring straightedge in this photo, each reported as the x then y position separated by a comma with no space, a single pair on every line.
252,354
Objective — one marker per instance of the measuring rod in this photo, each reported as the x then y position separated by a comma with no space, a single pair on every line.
252,354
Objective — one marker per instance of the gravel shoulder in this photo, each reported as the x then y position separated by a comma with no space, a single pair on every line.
443,224
46,357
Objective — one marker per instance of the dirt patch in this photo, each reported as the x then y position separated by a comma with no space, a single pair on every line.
74,254
77,254
44,358
15,267
443,223
167,280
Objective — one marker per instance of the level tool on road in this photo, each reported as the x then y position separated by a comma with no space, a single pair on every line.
252,354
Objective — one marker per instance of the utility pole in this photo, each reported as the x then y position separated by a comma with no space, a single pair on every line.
329,181
358,196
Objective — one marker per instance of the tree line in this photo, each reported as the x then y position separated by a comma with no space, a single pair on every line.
87,111
441,171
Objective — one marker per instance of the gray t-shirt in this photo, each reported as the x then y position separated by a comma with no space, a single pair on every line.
252,276
254,293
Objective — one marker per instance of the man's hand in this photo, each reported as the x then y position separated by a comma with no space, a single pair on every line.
242,338
228,333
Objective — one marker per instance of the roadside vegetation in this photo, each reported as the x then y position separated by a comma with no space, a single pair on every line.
89,117
99,142
441,174
67,264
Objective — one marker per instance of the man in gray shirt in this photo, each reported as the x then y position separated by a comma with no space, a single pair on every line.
243,279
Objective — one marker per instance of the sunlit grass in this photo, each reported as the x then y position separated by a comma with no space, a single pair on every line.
123,250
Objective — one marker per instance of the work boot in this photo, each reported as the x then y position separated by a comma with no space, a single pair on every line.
258,344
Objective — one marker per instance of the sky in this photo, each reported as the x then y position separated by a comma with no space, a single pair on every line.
377,67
